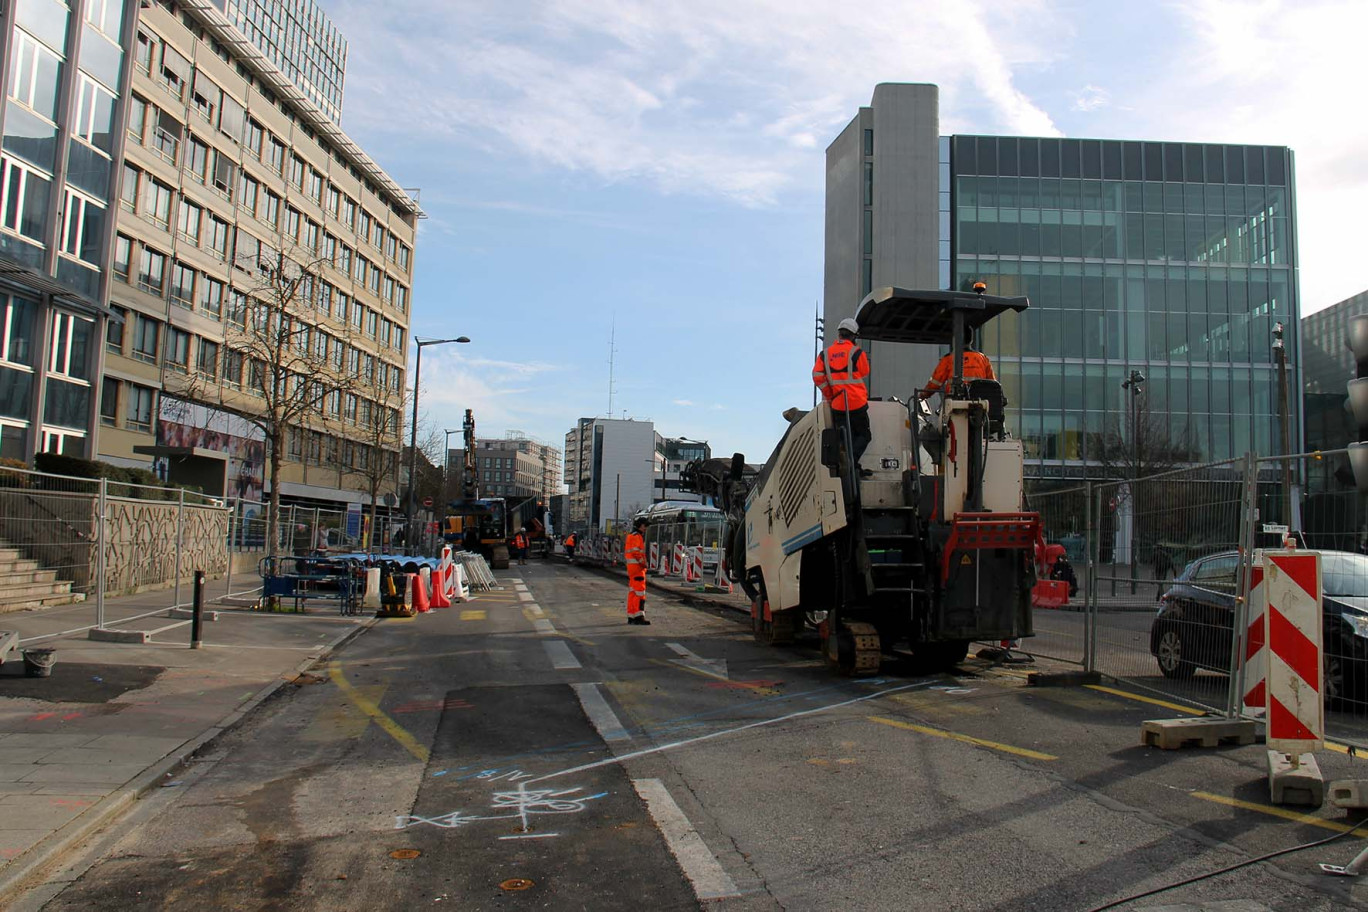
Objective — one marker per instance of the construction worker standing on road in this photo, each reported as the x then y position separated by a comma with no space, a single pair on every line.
976,367
634,552
839,373
570,545
520,545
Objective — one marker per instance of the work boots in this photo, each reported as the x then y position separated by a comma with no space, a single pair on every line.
638,619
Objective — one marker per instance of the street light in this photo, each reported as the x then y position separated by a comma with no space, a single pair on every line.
1134,383
409,535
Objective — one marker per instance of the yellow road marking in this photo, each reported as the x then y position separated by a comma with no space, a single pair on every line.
571,636
937,703
474,614
967,739
1281,812
344,721
1178,707
392,728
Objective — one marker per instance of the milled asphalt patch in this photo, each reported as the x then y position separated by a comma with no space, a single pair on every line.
44,854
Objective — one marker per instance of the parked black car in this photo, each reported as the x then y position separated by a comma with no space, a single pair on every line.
1193,627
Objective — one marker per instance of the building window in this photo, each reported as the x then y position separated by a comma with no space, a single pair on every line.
275,155
344,259
152,271
253,138
188,221
70,353
140,402
107,16
361,265
128,188
247,193
143,52
334,201
292,223
224,173
166,137
175,71
297,171
232,369
343,306
211,296
868,142
145,339
349,213
271,211
23,200
365,228
218,237
311,235
177,349
137,119
123,255
109,402
95,115
18,326
183,286
114,330
196,159
35,74
206,364
157,203
372,322
374,280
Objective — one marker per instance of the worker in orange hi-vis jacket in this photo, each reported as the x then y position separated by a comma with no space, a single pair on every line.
976,367
840,374
634,552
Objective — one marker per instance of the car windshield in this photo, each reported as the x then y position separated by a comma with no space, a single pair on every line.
1345,575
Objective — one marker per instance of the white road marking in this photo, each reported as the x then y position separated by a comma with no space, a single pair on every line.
695,860
525,596
544,626
533,610
715,667
560,655
600,714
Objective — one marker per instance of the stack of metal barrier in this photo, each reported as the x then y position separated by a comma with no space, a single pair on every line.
477,572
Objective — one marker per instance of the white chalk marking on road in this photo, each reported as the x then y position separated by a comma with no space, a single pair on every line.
600,714
560,655
731,731
524,596
531,836
717,668
695,860
544,626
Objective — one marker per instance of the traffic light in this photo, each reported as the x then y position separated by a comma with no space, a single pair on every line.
1358,400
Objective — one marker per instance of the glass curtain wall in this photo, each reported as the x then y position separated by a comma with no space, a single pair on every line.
1172,259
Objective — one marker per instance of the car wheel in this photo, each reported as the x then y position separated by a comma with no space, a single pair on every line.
1170,655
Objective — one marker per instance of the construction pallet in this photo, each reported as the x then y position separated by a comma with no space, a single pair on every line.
1173,734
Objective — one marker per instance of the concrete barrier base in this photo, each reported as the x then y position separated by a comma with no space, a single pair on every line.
1171,734
1350,794
109,635
1302,784
188,614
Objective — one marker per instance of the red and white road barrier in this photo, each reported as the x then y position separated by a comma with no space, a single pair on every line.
723,581
1295,680
654,556
677,563
693,566
1255,654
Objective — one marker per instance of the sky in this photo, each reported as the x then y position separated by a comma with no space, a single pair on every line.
634,188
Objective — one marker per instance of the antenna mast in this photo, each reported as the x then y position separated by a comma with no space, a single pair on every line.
612,354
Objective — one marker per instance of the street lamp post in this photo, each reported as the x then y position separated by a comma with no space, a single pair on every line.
1135,384
409,530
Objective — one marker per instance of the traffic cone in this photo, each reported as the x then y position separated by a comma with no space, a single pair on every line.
420,596
440,599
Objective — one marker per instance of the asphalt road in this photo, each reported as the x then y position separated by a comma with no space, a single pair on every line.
530,750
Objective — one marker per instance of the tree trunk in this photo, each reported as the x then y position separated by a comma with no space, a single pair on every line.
273,503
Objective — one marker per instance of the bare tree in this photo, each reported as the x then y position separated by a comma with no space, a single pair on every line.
375,452
294,376
1143,447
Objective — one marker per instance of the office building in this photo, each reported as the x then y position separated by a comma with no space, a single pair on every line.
609,468
513,466
297,38
1171,259
232,190
672,455
68,68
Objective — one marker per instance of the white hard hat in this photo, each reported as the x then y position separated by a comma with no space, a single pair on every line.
849,325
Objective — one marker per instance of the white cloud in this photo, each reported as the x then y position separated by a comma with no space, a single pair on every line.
683,403
667,92
1090,98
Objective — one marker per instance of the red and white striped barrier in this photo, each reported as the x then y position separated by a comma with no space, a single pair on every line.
693,568
677,564
1255,655
723,581
1295,681
653,556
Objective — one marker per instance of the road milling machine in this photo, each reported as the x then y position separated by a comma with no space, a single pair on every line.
930,545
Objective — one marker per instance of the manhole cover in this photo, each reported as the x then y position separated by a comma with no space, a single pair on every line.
405,854
516,883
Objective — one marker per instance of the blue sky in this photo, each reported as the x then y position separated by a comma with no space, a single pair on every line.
658,166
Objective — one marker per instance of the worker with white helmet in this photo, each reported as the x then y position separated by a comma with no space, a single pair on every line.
840,374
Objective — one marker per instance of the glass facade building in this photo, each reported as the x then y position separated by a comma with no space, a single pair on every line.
1174,259
65,69
300,40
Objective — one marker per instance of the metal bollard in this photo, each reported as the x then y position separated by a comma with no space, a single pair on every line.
198,607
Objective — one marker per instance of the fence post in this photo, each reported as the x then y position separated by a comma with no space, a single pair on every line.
1089,577
101,535
1090,617
1240,616
228,576
180,519
313,533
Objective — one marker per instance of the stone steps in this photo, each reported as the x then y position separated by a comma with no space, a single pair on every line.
23,584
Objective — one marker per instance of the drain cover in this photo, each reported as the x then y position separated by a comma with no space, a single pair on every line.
405,854
516,883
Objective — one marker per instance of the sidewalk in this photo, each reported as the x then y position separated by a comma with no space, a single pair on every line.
115,719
